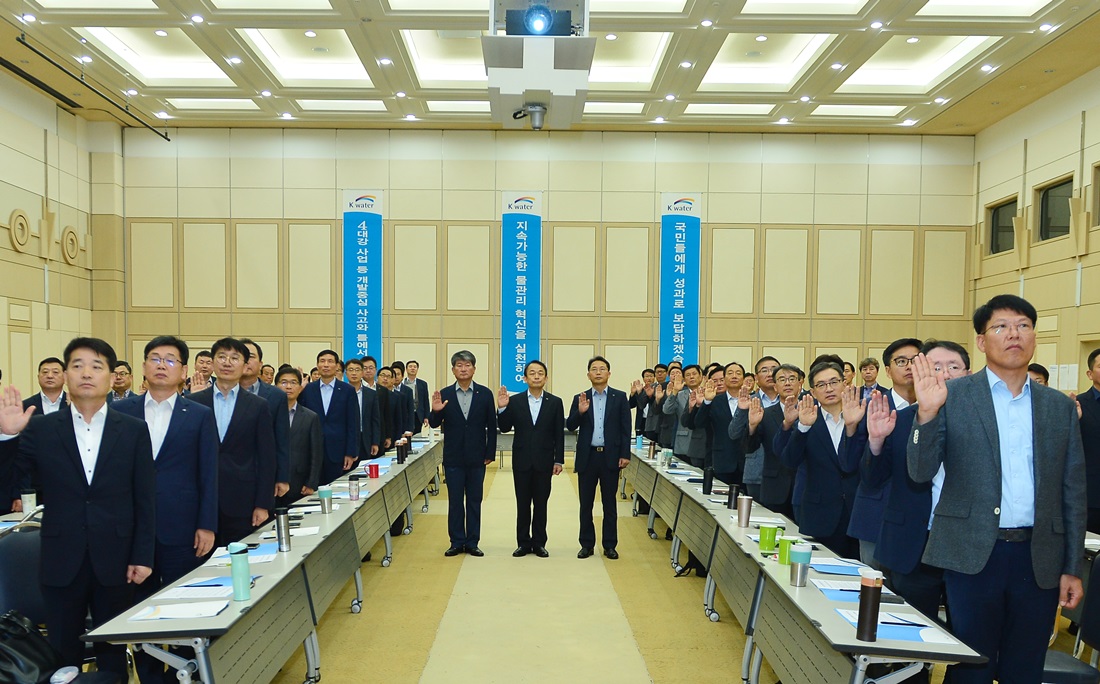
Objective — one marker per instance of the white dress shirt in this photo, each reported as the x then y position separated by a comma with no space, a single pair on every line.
48,406
88,438
326,393
158,415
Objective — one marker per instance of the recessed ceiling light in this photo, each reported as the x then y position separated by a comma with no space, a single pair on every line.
611,36
685,64
1042,27
265,93
659,119
30,18
83,41
670,97
288,115
161,32
410,117
761,39
234,60
86,59
988,67
400,93
197,19
940,100
706,22
837,66
385,61
912,39
908,122
162,115
804,98
131,92
311,34
784,120
876,24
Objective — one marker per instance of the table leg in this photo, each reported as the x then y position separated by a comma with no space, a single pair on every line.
388,558
622,487
206,671
708,599
674,555
408,520
357,602
652,521
184,667
757,659
313,657
424,508
750,629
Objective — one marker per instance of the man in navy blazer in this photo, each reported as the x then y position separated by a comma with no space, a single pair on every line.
185,450
760,426
467,413
246,450
335,402
720,404
422,403
276,404
370,417
1009,527
400,403
602,415
98,534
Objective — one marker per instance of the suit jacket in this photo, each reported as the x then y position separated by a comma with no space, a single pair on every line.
908,504
385,418
468,441
639,401
540,444
616,430
307,451
36,402
187,470
776,480
404,418
340,424
870,502
1090,440
963,437
371,422
686,441
113,519
831,476
727,454
16,483
423,404
280,421
246,456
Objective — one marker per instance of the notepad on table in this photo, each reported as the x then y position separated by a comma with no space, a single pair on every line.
294,532
836,566
178,611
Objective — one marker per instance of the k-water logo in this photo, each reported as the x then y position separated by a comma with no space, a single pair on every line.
363,202
522,204
684,205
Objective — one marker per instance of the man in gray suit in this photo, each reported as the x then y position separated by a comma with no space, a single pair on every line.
1009,527
307,444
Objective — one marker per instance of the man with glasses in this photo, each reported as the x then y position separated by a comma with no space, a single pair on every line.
820,450
276,404
765,367
122,379
720,403
1009,527
760,426
870,500
246,451
307,445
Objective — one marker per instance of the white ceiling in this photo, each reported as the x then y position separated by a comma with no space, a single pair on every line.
681,64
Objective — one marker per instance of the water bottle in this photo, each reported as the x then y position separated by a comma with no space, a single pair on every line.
282,529
242,575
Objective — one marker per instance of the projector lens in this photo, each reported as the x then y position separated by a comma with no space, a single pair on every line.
538,19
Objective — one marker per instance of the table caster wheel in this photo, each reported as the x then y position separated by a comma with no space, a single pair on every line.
424,509
356,606
407,530
714,616
652,534
678,568
623,497
386,561
634,513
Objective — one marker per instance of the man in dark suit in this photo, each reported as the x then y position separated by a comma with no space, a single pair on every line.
370,417
538,453
759,426
467,413
335,403
421,398
122,379
651,430
185,450
603,449
307,443
246,451
96,467
50,398
641,392
1088,403
727,456
1009,527
276,404
400,401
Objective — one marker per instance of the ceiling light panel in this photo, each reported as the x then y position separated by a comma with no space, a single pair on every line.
857,110
103,5
342,105
462,106
774,65
613,107
595,6
714,109
637,6
300,61
210,103
629,63
831,7
903,67
983,8
252,5
172,60
445,62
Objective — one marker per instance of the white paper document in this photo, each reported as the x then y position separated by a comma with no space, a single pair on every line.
315,508
176,611
182,593
294,532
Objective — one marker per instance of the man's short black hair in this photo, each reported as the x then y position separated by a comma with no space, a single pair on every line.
659,366
385,369
96,345
822,367
1092,357
594,359
849,364
259,350
931,344
1041,370
288,370
267,365
534,362
1003,301
124,364
230,344
412,361
648,370
51,359
678,364
333,352
689,367
352,362
888,353
169,341
734,363
398,365
717,368
762,359
371,359
790,367
831,358
205,353
747,374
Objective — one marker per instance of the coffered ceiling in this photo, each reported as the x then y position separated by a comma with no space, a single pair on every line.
938,66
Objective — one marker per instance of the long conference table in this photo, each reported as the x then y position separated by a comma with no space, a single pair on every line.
249,641
798,629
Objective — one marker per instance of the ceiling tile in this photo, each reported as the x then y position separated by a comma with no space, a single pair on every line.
171,60
445,62
857,110
804,6
342,105
613,107
255,5
478,106
211,103
106,5
901,66
301,61
628,62
734,109
982,8
778,62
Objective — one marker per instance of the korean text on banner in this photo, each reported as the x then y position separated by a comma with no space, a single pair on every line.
521,284
362,277
680,257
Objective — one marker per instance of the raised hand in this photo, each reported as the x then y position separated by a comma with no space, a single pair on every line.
649,389
852,409
880,421
199,382
677,384
709,391
790,412
502,397
582,402
807,411
636,387
12,416
743,398
659,392
1073,396
931,389
437,402
756,412
694,398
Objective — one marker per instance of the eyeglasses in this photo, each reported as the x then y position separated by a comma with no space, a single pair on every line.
766,370
156,361
121,374
787,379
902,361
831,384
950,368
1000,328
288,383
229,358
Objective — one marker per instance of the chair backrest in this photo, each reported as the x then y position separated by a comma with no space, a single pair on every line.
20,551
1090,612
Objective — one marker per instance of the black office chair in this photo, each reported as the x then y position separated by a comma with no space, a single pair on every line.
19,562
1063,668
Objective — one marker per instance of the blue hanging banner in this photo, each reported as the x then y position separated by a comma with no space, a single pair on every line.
520,284
679,305
362,277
